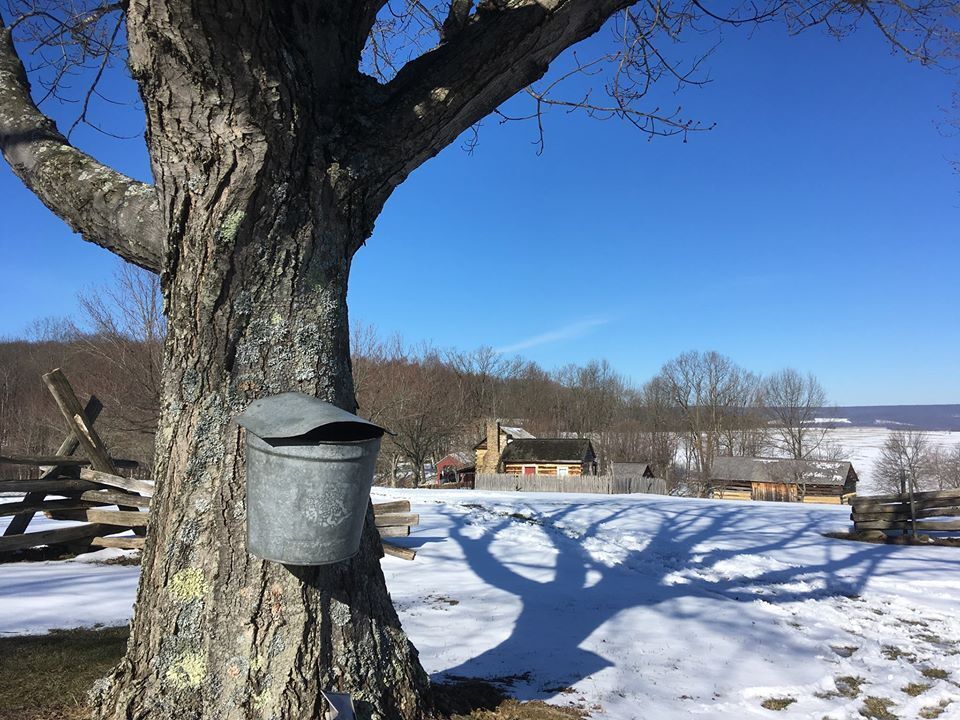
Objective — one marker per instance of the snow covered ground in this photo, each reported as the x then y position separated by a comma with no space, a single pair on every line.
863,445
633,606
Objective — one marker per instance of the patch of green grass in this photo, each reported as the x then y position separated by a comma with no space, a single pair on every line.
935,711
47,676
934,673
914,689
877,708
777,703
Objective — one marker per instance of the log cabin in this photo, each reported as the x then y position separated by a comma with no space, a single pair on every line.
498,437
555,457
783,480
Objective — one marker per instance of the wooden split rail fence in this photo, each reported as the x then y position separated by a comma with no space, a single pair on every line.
901,512
88,488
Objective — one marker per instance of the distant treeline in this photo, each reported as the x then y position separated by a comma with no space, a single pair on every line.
698,406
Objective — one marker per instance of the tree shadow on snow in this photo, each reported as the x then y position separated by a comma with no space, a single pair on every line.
572,575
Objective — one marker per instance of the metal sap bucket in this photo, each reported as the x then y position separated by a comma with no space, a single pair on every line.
309,472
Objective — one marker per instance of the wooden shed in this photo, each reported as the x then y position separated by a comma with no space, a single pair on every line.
783,480
549,456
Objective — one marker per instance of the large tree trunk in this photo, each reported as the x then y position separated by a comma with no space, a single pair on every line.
263,218
218,632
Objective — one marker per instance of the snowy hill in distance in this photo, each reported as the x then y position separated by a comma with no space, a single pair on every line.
893,417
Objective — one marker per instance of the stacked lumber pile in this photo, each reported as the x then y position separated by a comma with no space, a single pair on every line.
906,512
88,488
393,519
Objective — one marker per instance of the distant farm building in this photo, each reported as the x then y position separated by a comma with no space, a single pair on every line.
783,480
456,468
549,456
632,469
641,477
488,450
513,450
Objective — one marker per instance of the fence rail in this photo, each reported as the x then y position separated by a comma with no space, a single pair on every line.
602,484
925,512
89,497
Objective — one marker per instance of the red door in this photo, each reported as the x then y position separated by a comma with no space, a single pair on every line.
529,470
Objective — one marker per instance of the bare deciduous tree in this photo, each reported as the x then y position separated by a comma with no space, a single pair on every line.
716,400
904,463
276,133
792,402
125,329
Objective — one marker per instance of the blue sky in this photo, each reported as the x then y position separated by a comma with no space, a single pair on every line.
815,226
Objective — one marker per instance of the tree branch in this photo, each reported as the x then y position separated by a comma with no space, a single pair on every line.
106,207
498,51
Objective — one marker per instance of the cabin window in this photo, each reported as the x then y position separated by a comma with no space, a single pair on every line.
562,470
529,469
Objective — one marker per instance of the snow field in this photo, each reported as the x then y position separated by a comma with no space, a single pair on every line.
632,606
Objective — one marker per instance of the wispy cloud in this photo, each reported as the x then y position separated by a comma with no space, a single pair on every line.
567,332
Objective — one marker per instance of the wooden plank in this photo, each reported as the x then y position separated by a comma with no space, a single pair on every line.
16,508
395,531
67,486
124,543
928,526
59,536
58,462
400,552
905,506
72,515
124,518
90,440
905,514
113,497
391,507
391,519
926,495
19,523
144,487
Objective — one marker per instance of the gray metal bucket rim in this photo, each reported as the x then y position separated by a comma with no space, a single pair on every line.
275,452
314,443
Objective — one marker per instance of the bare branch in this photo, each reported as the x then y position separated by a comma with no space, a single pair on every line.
498,52
106,207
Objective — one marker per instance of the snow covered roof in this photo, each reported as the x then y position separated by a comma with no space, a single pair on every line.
517,433
780,470
548,450
512,432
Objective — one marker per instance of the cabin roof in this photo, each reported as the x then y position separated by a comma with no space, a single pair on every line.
781,470
631,469
513,433
548,450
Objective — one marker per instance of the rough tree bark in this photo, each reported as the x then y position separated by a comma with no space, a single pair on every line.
272,155
263,225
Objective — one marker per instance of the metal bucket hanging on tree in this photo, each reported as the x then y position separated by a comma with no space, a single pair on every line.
309,472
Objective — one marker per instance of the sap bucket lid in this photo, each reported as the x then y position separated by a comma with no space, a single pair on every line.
293,414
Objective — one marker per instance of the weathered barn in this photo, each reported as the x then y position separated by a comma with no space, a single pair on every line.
784,480
549,456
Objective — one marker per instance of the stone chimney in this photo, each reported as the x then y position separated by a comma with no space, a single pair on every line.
492,457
